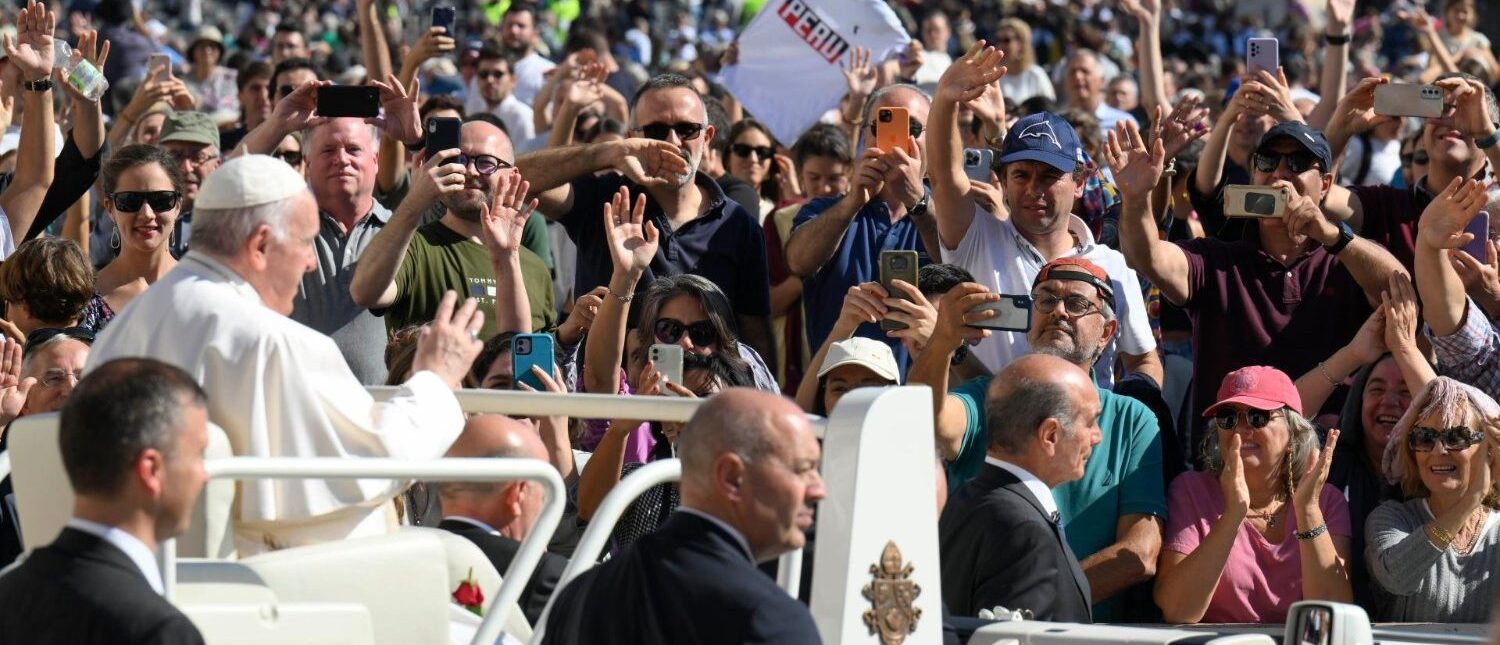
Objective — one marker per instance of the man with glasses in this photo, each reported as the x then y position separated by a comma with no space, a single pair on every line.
701,231
289,75
1112,514
1287,296
836,241
192,139
495,82
474,249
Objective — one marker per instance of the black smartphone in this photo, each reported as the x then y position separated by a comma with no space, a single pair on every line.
360,101
897,265
442,134
443,17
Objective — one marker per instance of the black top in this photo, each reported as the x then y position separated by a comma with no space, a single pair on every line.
72,176
501,550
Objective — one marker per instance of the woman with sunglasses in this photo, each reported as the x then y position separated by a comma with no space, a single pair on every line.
143,191
751,156
1436,557
1259,529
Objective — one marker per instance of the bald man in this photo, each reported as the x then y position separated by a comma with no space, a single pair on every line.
497,516
1000,540
749,482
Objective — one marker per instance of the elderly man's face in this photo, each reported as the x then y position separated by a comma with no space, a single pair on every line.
483,145
196,161
57,368
1077,338
341,161
672,107
1123,95
1084,82
289,256
917,109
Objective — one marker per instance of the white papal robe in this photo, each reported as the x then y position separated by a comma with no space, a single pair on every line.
280,389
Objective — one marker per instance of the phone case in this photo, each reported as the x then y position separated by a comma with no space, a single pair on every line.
348,101
1262,54
1015,314
892,128
1407,99
443,17
897,265
528,350
977,163
668,361
442,134
162,61
1480,227
1253,201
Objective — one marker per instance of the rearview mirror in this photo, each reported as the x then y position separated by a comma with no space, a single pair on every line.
1315,622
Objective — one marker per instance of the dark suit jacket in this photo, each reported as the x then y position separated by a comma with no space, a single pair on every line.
501,550
81,590
689,582
999,547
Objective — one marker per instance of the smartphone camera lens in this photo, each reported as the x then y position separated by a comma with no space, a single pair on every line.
885,116
898,263
523,345
971,158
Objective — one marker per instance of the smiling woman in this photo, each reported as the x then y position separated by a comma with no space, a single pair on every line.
143,192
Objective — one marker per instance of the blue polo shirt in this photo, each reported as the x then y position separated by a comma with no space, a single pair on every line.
856,261
1123,475
725,244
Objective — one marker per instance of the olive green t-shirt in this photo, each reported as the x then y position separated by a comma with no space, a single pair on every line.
440,259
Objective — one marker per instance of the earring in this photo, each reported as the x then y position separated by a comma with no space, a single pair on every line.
114,238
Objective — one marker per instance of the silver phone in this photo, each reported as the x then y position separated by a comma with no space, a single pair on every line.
1408,99
668,361
977,163
1254,201
1013,314
1262,54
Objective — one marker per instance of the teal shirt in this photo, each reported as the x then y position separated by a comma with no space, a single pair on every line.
1122,477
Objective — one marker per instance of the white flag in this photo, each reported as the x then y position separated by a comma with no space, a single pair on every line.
789,72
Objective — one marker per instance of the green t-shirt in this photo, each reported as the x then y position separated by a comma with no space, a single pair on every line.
533,237
1122,477
440,259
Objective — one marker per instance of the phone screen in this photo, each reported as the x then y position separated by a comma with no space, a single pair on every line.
1480,227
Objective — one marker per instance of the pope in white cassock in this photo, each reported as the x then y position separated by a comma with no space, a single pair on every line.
276,387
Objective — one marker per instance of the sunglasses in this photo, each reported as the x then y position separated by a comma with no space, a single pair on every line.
745,150
914,127
1226,419
39,337
702,333
284,90
1299,161
483,164
291,157
686,131
130,201
491,74
1454,439
1419,159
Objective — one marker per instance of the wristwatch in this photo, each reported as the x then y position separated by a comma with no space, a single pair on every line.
1331,39
1346,235
1489,141
42,84
919,208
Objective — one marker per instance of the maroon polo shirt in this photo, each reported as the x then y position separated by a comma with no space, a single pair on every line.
1249,309
1391,216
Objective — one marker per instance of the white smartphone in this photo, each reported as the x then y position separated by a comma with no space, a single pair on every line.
668,360
1254,201
1409,99
162,63
1262,54
977,163
1014,314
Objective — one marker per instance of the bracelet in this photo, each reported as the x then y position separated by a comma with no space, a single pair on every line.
1489,141
1315,532
1436,534
1324,371
624,299
1330,39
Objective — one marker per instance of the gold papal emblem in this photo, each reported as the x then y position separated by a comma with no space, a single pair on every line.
893,595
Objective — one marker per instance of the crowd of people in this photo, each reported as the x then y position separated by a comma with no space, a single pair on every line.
1205,417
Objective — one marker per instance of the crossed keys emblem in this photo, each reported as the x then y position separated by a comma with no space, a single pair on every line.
892,595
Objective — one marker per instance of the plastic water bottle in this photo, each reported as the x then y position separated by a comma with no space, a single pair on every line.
81,74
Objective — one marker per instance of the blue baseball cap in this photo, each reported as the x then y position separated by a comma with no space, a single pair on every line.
1044,137
1310,138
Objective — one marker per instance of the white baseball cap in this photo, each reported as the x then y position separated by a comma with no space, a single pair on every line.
865,352
250,180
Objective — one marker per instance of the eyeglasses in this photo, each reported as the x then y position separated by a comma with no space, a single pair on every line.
702,333
491,74
483,164
1227,418
914,127
744,150
54,378
194,159
1454,439
685,130
39,337
130,201
1416,158
1299,161
1074,305
291,157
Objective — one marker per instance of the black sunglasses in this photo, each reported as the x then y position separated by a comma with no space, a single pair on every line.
744,150
491,73
130,201
291,157
686,131
1299,161
913,126
39,337
1454,439
483,164
1226,418
284,90
702,333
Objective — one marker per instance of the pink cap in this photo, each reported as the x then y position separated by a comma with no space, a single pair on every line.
1259,387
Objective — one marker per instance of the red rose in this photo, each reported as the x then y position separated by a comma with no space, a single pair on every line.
469,595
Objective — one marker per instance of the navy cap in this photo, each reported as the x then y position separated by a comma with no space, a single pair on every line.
1043,137
1310,138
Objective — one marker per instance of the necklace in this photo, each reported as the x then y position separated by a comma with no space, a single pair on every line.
1473,526
1271,517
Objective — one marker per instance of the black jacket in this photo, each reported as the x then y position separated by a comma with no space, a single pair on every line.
501,550
999,547
81,590
690,582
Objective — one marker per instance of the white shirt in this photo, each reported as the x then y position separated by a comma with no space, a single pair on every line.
516,116
529,80
7,237
1033,82
738,537
280,389
1000,259
134,548
1038,489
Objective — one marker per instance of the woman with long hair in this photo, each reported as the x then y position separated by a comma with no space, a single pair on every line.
1024,78
143,195
750,154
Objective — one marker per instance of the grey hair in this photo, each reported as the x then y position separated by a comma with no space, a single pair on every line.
304,137
1011,419
29,360
1301,444
222,231
864,115
720,426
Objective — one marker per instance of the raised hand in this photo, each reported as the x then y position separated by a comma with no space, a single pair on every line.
501,224
1479,276
447,345
578,93
31,49
919,316
435,42
582,316
1305,497
1340,16
88,49
400,117
1355,113
1187,123
870,177
1398,303
1304,217
1276,96
786,177
1369,342
1137,169
952,328
864,303
1142,9
13,388
904,173
298,110
649,162
968,77
1232,478
632,238
439,175
859,74
1441,225
912,58
1470,116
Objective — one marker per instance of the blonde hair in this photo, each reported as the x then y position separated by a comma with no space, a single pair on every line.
1022,60
1455,404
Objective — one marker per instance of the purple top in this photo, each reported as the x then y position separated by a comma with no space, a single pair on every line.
638,445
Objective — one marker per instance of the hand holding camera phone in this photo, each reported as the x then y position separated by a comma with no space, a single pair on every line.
893,129
442,134
1407,99
1013,313
360,101
1262,54
977,163
1261,202
897,265
528,350
443,16
668,360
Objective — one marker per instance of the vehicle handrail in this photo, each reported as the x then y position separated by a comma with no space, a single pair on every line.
447,469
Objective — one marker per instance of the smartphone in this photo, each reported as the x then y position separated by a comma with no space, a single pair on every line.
442,134
529,350
1480,227
668,361
162,63
1254,201
897,265
360,101
1013,314
1262,54
977,163
892,129
1409,99
442,16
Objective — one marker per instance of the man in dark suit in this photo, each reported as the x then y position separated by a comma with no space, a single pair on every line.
1000,541
749,480
132,438
497,516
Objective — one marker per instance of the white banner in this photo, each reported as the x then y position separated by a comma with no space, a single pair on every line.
789,73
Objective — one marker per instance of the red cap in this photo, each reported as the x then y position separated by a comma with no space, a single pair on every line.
1076,268
1259,387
